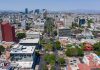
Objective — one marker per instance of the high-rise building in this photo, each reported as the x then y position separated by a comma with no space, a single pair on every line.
8,32
37,11
0,33
82,22
26,10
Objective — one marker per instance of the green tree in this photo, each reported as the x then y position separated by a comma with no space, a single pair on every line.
42,42
2,49
49,25
57,45
74,52
21,35
50,58
89,21
80,52
96,46
68,52
74,25
52,67
44,67
37,53
69,45
55,33
61,61
48,47
97,52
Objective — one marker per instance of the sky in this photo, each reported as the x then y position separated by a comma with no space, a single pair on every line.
56,5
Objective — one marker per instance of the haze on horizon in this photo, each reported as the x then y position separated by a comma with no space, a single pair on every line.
56,5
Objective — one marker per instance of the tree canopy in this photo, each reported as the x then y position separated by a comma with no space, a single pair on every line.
96,46
2,49
74,52
48,47
49,25
61,61
89,21
57,45
21,35
50,58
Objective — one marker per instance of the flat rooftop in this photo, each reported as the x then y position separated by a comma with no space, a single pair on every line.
23,49
32,32
29,40
22,64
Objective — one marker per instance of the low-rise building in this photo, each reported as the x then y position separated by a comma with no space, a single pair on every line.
31,34
29,42
4,64
39,25
92,60
23,54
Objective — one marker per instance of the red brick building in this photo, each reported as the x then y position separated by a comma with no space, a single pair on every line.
8,32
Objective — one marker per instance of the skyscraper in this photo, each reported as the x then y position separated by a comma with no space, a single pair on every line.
37,11
26,10
8,32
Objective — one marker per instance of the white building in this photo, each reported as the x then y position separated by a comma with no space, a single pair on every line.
39,25
87,34
23,54
29,42
92,59
23,24
95,26
31,34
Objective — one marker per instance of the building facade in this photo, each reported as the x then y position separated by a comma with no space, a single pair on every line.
8,32
0,34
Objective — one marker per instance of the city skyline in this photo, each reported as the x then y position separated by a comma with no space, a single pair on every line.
59,5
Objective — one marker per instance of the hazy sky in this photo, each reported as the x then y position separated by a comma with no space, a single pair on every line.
50,4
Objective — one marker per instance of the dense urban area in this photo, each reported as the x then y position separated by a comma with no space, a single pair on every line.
47,40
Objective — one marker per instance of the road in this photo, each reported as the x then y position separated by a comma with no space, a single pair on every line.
57,66
41,60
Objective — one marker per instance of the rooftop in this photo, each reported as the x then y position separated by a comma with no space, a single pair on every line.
92,60
22,64
32,32
29,40
22,49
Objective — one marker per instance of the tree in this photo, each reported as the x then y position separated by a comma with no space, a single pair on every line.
52,67
42,41
2,49
49,25
96,46
69,45
37,53
21,35
50,58
89,21
44,67
74,52
55,33
68,52
48,47
57,45
97,52
80,52
74,25
61,61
